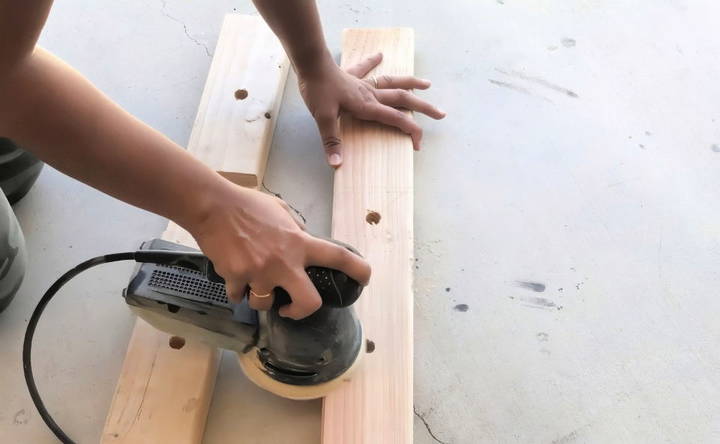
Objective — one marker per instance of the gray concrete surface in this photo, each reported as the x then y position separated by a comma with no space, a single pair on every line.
580,156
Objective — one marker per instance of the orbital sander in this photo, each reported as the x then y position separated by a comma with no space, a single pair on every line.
177,290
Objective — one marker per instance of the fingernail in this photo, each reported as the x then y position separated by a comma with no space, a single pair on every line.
443,113
335,159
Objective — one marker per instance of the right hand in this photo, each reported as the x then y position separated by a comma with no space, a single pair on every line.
253,240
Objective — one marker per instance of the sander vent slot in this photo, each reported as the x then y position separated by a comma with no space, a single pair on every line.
188,282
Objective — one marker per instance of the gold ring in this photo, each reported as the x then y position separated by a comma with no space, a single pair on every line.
266,295
373,79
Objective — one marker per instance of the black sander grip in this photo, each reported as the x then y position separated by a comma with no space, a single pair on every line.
336,289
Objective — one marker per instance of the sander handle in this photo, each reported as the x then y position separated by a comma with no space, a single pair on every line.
336,289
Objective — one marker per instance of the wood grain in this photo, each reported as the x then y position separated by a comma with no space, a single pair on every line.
241,100
164,394
376,406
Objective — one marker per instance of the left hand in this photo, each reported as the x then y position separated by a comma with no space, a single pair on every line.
328,90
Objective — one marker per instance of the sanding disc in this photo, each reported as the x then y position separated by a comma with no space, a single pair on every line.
255,372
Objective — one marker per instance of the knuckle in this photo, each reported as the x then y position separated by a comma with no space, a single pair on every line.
296,237
234,271
331,142
258,263
387,79
400,116
342,256
404,94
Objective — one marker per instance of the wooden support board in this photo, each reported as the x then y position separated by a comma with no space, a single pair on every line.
163,394
241,100
376,406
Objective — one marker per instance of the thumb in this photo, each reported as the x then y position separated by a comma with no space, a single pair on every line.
330,134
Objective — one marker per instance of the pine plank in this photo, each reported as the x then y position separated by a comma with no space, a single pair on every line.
376,406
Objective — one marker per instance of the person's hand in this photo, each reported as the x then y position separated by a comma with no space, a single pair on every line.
328,90
253,240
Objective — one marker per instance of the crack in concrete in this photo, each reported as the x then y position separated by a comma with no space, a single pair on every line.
164,12
288,203
427,426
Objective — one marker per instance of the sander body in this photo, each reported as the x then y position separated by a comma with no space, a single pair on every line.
176,289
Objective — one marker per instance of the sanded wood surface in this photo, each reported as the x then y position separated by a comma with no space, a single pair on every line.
376,406
164,394
241,100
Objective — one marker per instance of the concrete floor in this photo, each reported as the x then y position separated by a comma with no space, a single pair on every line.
566,218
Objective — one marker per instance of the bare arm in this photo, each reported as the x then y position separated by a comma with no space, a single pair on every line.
49,107
67,122
327,89
297,25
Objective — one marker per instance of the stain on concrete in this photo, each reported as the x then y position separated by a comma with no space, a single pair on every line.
535,302
541,302
568,42
570,437
574,436
447,289
542,336
511,86
20,418
539,81
715,148
534,286
462,307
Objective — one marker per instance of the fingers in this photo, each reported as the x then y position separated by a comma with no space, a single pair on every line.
400,98
260,296
360,69
305,297
393,117
324,253
401,82
330,134
235,290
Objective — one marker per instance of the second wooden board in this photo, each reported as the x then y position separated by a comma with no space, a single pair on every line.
373,210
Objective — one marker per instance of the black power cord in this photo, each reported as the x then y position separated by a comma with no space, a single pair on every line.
30,332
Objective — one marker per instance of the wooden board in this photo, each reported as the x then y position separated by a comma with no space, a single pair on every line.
164,394
241,100
376,407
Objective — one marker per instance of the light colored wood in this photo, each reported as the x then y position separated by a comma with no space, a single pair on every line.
376,406
232,135
161,392
163,395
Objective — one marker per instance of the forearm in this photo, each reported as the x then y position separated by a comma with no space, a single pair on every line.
297,25
50,108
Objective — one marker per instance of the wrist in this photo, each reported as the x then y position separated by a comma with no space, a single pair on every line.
310,62
198,210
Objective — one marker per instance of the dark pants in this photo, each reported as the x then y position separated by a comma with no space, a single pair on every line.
18,171
12,254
